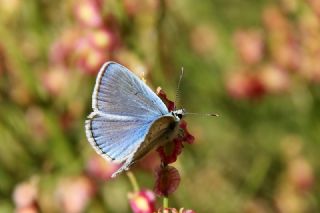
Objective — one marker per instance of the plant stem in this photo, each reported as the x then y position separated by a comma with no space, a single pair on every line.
165,202
133,181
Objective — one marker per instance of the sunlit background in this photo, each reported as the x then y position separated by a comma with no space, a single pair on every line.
255,63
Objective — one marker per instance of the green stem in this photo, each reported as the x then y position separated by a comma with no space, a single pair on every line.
165,202
133,181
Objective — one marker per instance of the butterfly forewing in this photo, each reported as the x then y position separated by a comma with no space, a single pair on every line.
118,91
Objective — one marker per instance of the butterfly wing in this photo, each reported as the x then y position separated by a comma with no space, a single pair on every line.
124,110
119,92
128,139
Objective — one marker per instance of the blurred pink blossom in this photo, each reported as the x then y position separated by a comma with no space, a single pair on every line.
274,19
25,194
250,46
301,174
89,59
142,201
62,49
274,79
101,39
244,85
203,40
55,80
27,209
315,5
73,194
88,13
99,168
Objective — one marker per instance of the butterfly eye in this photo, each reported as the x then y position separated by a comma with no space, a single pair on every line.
179,116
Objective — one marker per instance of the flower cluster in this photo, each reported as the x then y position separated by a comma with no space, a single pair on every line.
167,177
271,57
91,41
170,151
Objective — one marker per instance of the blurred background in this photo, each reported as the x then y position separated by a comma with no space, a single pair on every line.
256,63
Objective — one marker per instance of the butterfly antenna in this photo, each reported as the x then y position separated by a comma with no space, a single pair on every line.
177,98
203,114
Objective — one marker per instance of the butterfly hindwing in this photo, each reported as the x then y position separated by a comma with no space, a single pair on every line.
116,137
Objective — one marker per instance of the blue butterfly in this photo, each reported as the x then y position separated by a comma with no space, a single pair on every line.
128,118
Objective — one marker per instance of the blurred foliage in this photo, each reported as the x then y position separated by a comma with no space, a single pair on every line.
256,63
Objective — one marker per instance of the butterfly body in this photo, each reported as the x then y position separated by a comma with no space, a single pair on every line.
128,118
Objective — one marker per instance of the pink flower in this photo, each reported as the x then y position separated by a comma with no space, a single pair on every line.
63,48
73,194
203,40
250,46
28,209
243,85
99,168
25,194
101,39
301,174
55,80
167,180
88,13
89,58
170,151
142,201
274,79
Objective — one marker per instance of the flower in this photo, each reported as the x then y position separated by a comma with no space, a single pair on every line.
73,194
89,58
301,174
142,201
99,168
245,85
101,39
62,49
56,80
167,180
274,79
250,46
170,151
27,209
203,40
25,194
88,13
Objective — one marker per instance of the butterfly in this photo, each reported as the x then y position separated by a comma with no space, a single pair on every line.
128,118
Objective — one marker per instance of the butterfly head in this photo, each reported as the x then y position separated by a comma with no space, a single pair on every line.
178,114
